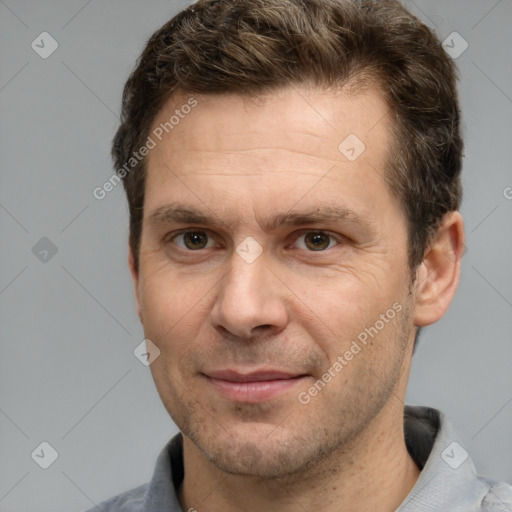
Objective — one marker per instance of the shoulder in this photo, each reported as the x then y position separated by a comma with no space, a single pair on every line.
499,497
129,501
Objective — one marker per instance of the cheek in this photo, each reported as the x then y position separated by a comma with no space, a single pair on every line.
170,307
347,308
339,300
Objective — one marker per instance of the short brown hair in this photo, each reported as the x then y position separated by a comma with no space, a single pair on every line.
257,46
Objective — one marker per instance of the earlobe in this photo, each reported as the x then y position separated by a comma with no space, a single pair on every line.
134,272
438,275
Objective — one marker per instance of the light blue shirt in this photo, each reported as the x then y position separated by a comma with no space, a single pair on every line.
448,481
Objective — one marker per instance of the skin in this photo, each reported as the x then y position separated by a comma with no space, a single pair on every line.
243,163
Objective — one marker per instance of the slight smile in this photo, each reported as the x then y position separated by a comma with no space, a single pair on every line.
253,387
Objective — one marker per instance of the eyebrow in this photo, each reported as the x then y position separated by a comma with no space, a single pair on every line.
183,214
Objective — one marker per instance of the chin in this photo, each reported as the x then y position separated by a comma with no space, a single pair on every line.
251,454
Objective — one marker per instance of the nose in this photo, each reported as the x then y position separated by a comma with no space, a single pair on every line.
251,300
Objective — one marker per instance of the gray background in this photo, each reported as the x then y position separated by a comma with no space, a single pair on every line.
68,325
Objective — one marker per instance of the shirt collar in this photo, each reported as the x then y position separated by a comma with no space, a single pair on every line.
448,480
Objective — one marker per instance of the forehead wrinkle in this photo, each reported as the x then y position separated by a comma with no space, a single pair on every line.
259,155
179,213
319,215
184,214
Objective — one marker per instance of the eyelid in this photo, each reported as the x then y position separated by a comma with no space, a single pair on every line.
339,239
171,236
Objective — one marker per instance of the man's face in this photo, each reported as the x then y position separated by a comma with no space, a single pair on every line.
244,339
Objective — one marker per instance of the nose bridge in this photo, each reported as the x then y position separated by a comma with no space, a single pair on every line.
250,296
244,278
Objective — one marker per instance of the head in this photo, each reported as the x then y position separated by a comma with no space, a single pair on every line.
321,138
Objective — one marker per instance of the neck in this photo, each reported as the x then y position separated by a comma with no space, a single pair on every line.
375,472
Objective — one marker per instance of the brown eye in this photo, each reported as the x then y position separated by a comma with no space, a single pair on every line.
194,240
317,241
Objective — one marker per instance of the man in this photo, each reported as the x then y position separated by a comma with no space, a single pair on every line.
292,170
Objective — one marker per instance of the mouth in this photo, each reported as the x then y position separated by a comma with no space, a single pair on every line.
252,387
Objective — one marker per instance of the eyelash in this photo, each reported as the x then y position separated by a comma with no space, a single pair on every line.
303,233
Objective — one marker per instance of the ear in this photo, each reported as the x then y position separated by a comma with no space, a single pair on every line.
438,275
134,271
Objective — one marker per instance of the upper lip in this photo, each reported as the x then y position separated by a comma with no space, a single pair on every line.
254,376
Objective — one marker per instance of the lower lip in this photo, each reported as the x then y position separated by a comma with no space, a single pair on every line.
254,391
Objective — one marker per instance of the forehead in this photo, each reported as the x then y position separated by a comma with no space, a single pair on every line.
261,147
289,115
